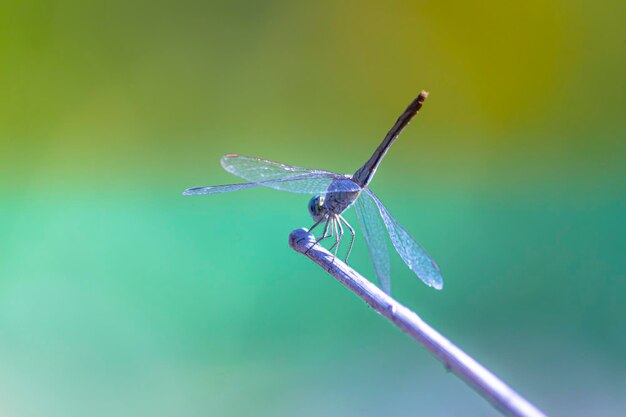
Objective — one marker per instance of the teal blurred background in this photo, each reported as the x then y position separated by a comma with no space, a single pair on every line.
120,297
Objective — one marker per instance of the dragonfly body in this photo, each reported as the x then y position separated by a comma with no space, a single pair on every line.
328,208
334,194
337,202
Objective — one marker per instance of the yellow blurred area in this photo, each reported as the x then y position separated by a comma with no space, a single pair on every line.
98,76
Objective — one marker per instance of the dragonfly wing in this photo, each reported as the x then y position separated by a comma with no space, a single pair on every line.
216,189
413,255
301,184
257,169
375,236
277,175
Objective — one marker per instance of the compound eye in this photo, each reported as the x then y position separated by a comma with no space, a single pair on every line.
314,206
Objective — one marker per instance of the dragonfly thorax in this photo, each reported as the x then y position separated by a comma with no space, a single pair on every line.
337,202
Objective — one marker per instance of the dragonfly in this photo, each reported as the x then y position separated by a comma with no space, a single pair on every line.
333,194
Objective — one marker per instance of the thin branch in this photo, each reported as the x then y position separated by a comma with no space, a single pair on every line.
474,374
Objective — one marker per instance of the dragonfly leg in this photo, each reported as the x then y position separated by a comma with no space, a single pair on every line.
351,237
337,234
315,225
338,231
334,233
340,234
324,234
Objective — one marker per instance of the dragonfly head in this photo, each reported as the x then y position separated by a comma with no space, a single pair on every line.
315,208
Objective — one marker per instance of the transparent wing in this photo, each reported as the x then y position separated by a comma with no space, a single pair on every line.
276,175
256,169
216,189
375,236
413,255
301,184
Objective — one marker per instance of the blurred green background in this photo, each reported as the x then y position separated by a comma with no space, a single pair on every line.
120,297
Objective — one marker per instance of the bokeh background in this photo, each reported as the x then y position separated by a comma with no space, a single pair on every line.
119,297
